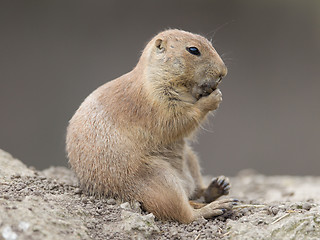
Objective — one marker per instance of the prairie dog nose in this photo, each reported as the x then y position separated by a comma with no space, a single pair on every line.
223,71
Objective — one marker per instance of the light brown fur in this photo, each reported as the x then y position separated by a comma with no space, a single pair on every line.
128,139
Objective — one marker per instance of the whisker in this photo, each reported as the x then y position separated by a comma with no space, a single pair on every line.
211,35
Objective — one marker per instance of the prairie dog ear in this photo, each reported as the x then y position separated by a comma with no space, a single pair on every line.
160,45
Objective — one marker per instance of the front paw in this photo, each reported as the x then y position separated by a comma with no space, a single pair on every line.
210,102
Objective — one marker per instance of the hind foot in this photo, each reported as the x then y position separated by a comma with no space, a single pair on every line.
218,187
215,208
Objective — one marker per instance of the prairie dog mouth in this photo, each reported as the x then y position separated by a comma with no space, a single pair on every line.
205,88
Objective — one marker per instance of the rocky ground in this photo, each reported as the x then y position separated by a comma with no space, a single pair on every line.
49,205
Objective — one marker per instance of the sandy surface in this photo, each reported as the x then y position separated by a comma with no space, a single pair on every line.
49,205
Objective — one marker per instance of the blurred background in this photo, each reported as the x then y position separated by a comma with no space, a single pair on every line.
54,53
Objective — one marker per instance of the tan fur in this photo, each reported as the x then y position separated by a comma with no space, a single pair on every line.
128,139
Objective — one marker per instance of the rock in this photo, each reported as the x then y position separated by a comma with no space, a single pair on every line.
142,226
8,233
290,225
307,206
125,205
111,201
62,174
135,206
11,167
49,205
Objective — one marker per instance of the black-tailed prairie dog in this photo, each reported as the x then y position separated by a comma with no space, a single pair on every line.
129,138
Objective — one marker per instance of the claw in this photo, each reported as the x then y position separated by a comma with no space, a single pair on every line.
213,180
225,185
227,188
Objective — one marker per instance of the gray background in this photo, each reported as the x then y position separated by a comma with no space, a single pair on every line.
54,53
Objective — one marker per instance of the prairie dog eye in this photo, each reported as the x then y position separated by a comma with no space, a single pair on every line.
194,51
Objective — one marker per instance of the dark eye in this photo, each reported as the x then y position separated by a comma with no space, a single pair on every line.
194,51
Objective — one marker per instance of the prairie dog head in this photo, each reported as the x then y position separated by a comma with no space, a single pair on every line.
183,65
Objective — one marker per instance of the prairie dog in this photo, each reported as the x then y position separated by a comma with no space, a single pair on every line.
129,138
